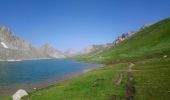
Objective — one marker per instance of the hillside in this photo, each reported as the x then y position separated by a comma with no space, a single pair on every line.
152,40
135,69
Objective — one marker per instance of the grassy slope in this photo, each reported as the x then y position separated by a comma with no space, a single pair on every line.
145,49
152,40
94,85
152,79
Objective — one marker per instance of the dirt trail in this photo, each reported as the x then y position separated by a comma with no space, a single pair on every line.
130,88
119,79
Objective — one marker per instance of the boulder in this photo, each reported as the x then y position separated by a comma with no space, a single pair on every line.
19,94
165,56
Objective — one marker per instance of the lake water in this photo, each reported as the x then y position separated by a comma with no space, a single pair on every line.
31,74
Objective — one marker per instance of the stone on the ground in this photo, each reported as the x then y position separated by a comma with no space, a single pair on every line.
19,94
165,56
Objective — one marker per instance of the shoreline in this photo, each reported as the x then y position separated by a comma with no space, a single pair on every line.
13,60
31,87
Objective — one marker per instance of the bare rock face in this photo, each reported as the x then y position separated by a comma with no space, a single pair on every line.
13,47
50,51
9,40
70,52
19,94
94,48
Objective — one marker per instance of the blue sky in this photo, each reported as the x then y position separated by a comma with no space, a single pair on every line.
78,23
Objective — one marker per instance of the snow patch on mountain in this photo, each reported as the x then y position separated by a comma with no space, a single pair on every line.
4,45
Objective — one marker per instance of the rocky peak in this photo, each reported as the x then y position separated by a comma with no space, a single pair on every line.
69,52
50,51
9,40
13,47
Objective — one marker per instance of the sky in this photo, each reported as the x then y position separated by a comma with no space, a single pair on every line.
76,24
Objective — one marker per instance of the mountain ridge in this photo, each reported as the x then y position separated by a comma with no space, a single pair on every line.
156,38
14,47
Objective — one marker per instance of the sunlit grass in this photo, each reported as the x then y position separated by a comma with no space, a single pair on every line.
94,85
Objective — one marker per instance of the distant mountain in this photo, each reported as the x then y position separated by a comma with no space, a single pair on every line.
100,47
70,52
9,40
50,51
13,47
93,48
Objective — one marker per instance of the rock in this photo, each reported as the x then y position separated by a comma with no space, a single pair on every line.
50,51
19,94
14,47
165,56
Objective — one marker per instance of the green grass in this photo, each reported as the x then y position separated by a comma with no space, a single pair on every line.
151,71
152,79
95,85
5,98
154,39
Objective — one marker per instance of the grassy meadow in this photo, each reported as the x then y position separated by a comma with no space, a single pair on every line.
148,50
